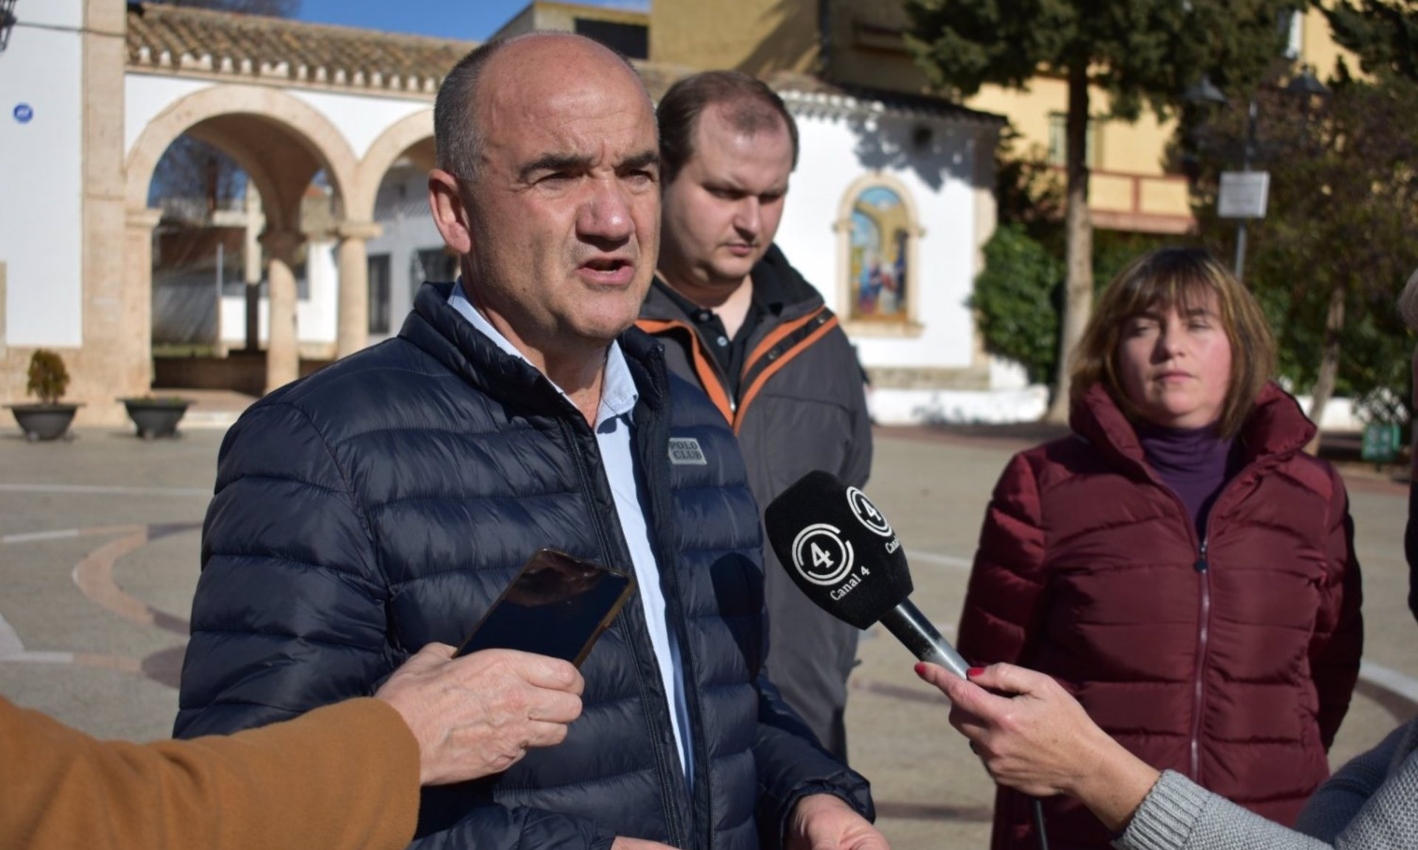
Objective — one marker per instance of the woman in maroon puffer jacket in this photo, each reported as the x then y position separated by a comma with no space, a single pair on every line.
1178,563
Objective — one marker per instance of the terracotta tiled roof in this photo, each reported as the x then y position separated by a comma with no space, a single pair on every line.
201,42
198,42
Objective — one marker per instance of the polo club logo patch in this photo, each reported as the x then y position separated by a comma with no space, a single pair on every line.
685,451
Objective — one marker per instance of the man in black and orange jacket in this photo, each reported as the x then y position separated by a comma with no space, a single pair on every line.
740,321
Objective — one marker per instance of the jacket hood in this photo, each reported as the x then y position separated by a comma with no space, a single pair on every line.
1276,427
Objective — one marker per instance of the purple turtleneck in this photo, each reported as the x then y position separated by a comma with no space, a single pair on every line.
1194,462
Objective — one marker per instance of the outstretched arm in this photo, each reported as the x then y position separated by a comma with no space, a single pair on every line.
1033,736
341,776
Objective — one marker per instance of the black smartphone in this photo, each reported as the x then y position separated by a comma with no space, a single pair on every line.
557,605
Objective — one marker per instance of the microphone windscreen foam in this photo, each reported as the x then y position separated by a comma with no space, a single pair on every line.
838,549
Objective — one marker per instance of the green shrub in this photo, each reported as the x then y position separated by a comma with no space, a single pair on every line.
1017,300
48,378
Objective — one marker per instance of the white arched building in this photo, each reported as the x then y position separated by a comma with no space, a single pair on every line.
889,208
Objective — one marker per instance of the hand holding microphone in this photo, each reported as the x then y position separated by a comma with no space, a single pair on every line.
840,551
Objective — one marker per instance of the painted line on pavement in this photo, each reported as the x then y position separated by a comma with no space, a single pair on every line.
39,536
67,533
939,560
104,490
13,649
94,577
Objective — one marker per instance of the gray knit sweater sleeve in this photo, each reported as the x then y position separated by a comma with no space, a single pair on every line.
1370,804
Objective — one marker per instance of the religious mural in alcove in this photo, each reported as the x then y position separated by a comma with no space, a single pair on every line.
880,224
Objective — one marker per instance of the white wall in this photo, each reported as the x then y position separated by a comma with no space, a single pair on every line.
41,181
835,152
146,97
361,119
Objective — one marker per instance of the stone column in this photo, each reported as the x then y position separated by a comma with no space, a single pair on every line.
138,282
115,355
251,263
282,345
353,331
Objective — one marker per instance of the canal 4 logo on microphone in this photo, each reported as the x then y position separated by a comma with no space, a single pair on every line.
867,514
823,556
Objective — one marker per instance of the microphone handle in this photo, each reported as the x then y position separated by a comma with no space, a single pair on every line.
911,627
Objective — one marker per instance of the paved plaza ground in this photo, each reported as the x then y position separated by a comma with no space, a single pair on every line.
99,540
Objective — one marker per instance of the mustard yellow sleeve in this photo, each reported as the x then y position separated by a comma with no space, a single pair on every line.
338,778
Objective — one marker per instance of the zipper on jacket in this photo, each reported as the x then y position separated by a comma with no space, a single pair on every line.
662,515
664,766
1203,570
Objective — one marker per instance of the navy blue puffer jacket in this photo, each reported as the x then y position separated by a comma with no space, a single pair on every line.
386,501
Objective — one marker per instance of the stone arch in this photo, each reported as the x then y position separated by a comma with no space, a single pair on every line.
281,142
241,120
393,143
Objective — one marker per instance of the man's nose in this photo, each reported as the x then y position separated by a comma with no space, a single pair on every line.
606,214
748,217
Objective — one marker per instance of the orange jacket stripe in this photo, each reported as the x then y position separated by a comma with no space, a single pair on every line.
703,369
768,372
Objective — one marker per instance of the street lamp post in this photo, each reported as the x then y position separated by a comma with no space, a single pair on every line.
1243,196
1247,151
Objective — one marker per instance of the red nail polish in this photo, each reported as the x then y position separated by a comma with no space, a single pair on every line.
920,668
974,671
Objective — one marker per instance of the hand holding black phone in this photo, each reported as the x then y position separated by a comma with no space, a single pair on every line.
557,605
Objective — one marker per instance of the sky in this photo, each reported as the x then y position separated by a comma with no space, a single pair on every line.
463,19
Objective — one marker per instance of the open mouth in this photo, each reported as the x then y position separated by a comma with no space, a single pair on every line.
606,264
609,270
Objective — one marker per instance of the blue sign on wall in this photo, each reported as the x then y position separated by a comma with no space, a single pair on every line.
23,112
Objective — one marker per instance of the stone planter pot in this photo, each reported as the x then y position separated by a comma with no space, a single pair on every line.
156,417
43,421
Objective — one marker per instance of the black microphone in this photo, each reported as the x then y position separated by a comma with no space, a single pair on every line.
840,551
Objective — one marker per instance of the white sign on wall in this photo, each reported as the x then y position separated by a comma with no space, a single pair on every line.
1243,194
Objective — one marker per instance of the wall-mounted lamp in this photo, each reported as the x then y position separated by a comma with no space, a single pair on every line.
7,22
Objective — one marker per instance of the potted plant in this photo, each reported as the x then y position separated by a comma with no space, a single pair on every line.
48,379
156,416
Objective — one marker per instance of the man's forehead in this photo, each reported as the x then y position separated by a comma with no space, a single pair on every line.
741,117
531,68
549,105
729,147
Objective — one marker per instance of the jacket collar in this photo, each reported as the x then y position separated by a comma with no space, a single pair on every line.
1275,429
436,328
788,291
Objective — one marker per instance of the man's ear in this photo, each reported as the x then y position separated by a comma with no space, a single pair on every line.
445,201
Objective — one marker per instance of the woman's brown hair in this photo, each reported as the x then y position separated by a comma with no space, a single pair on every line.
1181,278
